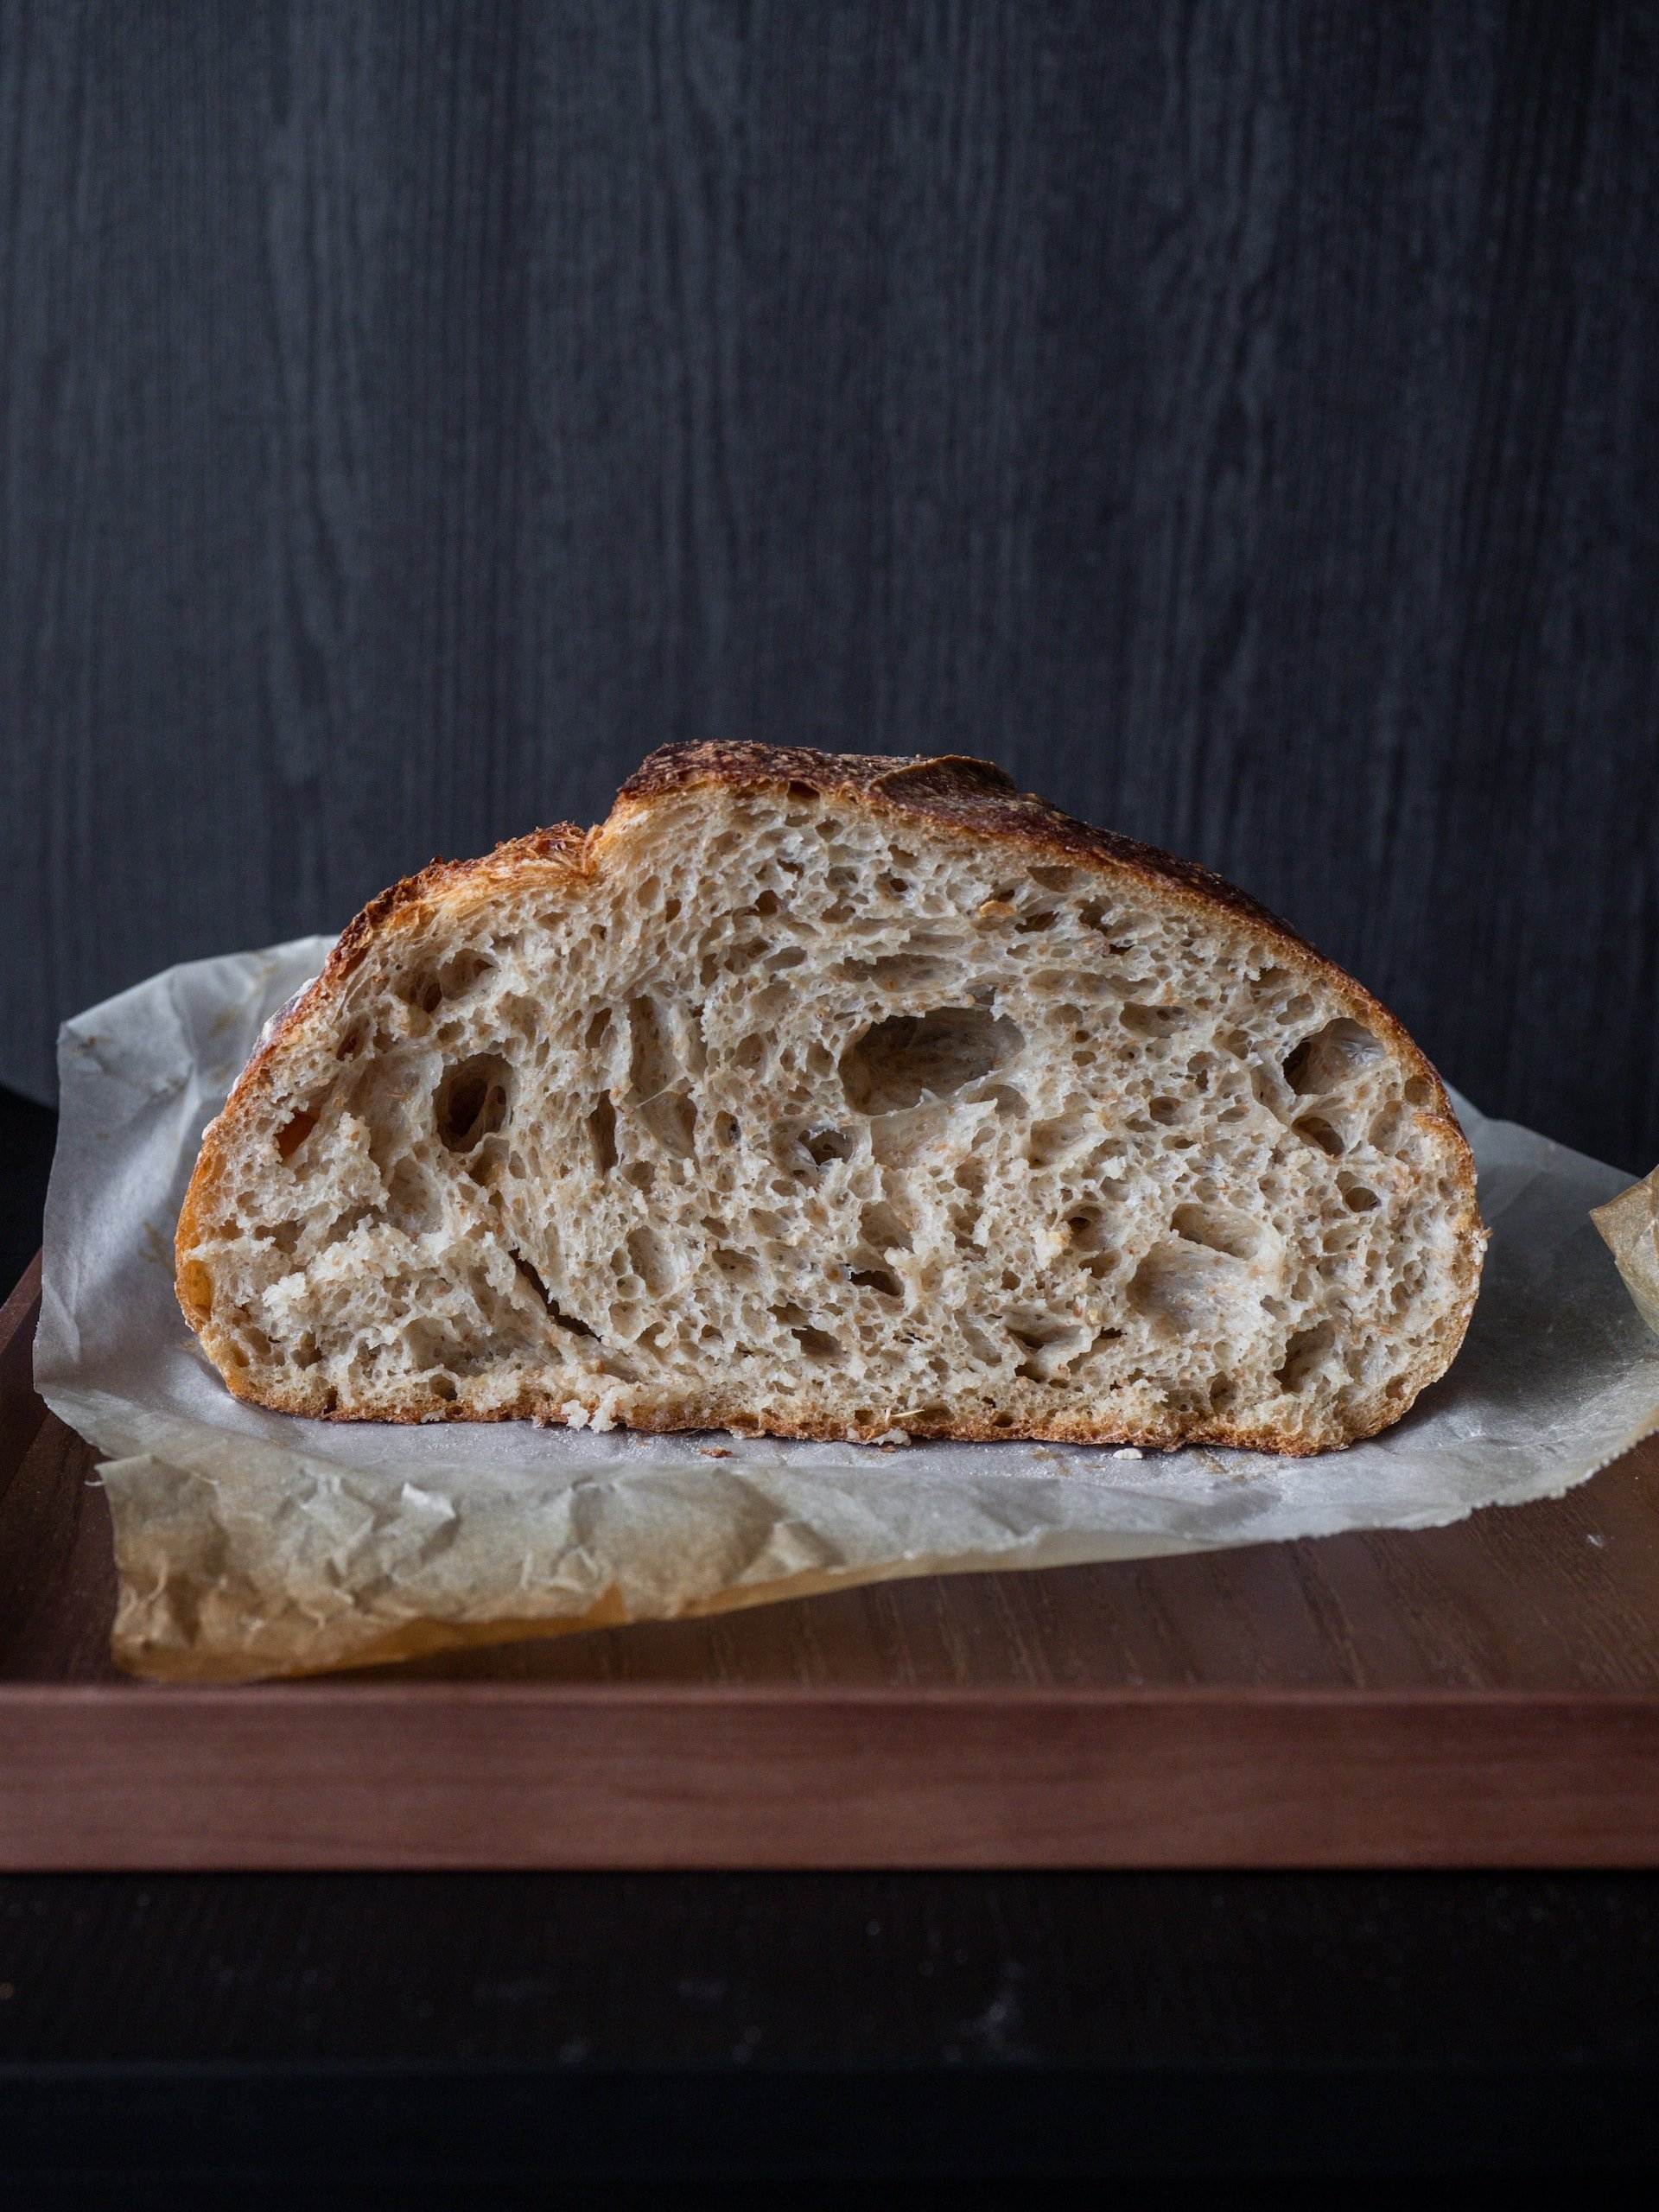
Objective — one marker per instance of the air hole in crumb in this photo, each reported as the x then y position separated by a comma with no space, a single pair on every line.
899,1062
1095,916
601,1132
411,1205
1388,1128
822,1145
1359,1198
880,1279
672,1120
577,1327
346,1223
294,1133
1006,1100
471,1102
442,1387
652,1062
650,1260
1049,1142
1088,1243
817,1343
528,1272
1303,1354
1419,1090
1318,1131
460,972
1218,1229
1148,1021
1051,1345
883,1229
1177,1286
1263,1088
918,971
1331,1058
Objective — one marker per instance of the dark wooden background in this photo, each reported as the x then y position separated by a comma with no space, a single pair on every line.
1241,420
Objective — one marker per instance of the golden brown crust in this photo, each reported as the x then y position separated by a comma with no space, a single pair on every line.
560,848
954,793
717,1412
951,791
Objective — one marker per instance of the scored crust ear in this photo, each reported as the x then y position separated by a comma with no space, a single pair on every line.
833,1094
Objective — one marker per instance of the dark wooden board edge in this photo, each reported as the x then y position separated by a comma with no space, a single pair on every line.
589,1776
456,1774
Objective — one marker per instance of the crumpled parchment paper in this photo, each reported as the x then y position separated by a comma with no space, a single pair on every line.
1630,1225
249,1543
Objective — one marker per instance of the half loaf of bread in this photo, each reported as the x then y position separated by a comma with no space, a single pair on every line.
832,1096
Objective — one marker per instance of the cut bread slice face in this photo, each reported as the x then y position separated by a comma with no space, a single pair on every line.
829,1097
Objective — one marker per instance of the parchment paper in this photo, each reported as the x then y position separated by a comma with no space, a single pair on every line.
1630,1226
249,1543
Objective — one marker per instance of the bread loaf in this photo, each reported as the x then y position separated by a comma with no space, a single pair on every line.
831,1096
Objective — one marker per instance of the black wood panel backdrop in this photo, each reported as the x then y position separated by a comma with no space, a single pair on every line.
1238,419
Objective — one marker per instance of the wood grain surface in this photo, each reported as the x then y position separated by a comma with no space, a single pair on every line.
1486,1694
1241,421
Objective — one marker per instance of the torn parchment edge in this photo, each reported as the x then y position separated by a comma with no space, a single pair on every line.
1629,1228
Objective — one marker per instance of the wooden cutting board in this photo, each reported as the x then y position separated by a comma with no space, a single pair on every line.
1486,1694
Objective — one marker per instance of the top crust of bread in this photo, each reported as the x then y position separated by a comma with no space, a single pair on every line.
959,798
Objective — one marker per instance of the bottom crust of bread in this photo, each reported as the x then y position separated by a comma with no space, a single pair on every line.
1033,1421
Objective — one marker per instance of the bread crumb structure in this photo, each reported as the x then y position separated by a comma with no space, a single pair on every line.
820,1095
